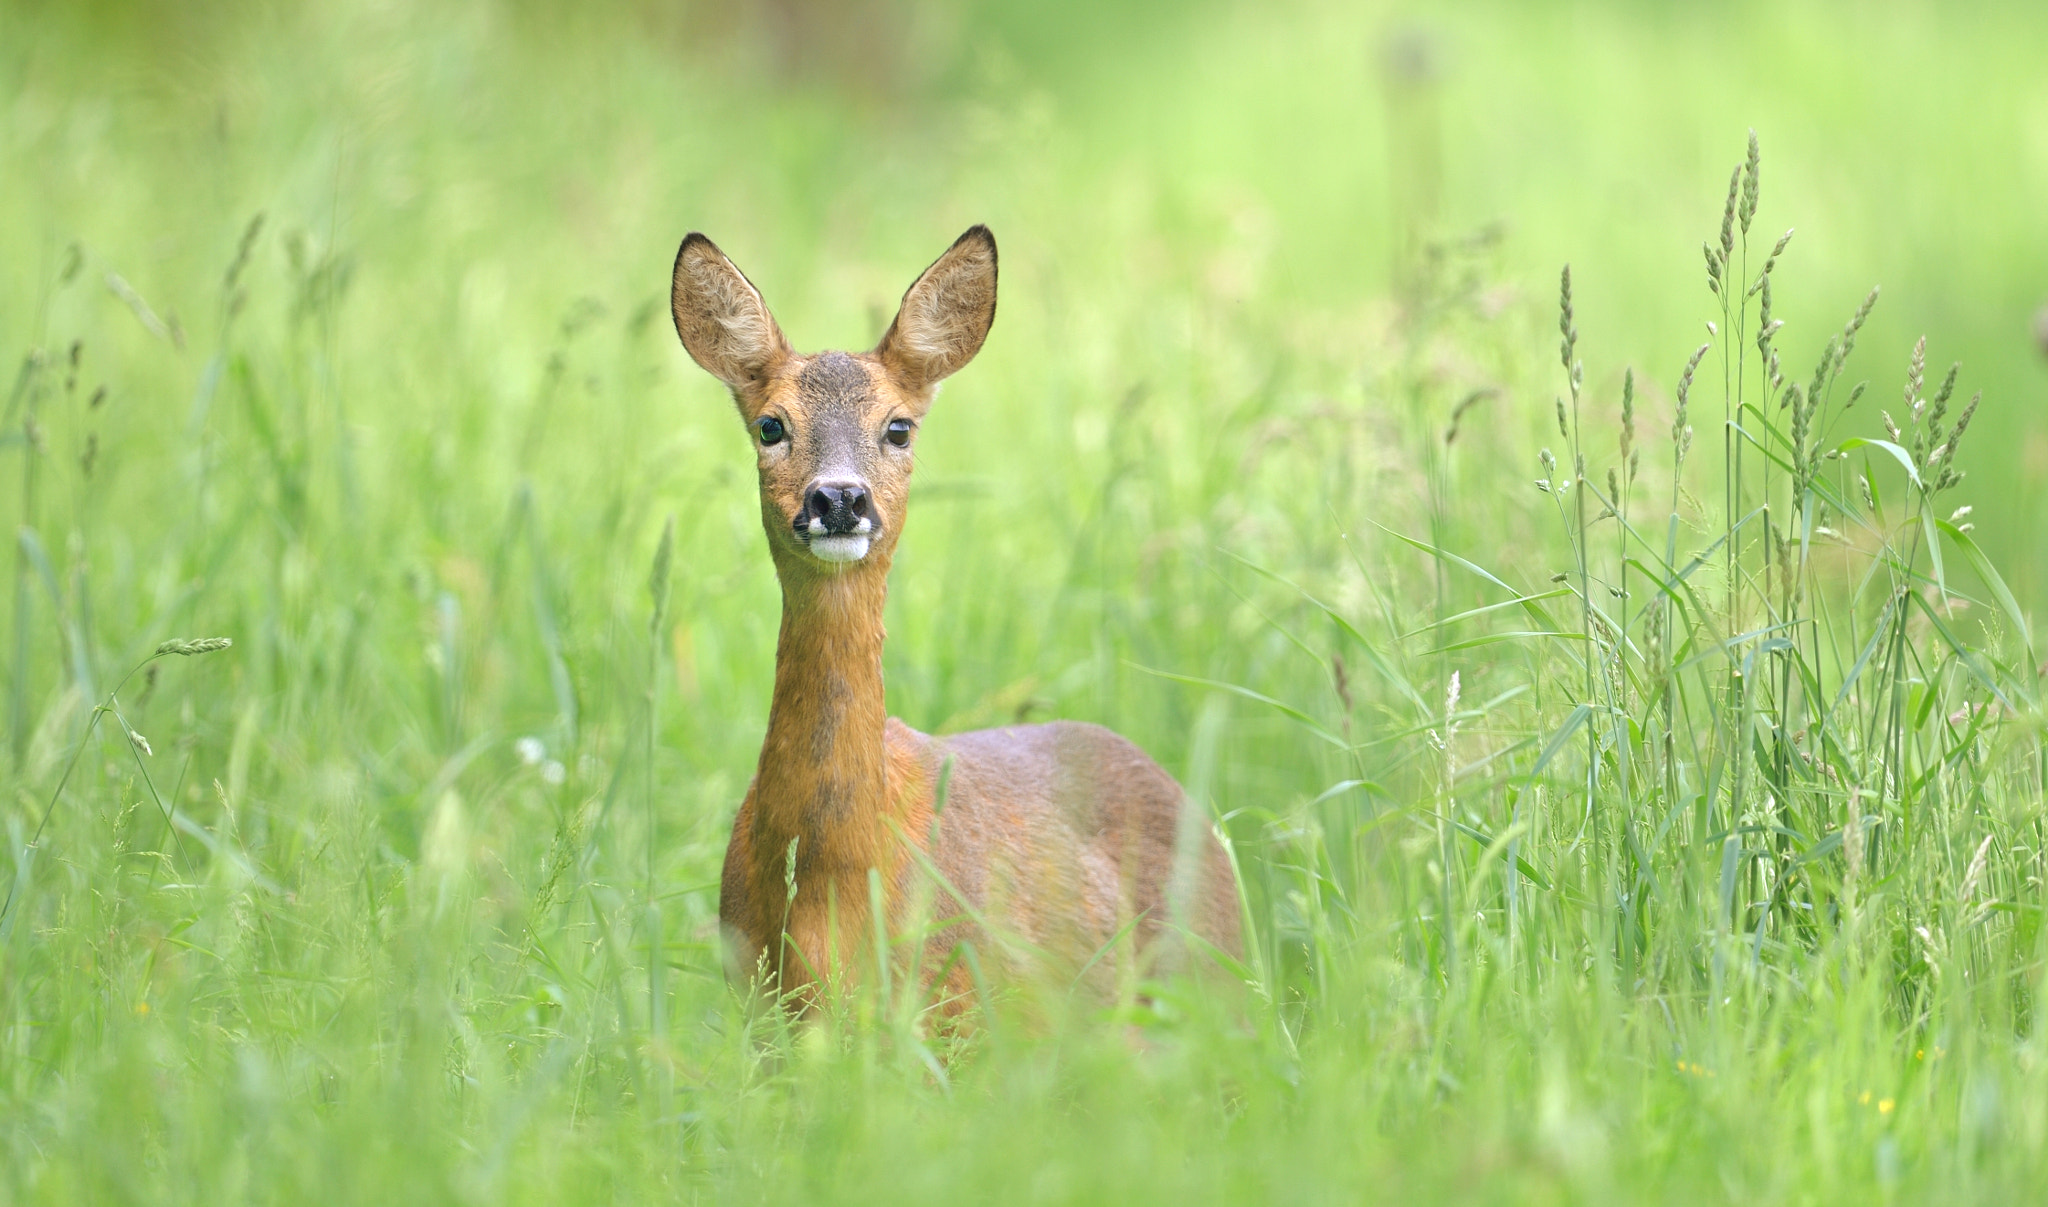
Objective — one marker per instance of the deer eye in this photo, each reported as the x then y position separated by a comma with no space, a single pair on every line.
770,430
898,433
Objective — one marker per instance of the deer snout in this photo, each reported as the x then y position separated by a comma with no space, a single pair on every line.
837,508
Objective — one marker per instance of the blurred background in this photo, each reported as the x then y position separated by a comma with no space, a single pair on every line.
340,328
1271,177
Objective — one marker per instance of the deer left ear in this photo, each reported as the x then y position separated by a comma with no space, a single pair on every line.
723,323
945,316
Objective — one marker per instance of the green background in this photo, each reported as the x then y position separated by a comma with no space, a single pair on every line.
414,453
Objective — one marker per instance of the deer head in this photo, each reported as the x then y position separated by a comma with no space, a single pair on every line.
834,432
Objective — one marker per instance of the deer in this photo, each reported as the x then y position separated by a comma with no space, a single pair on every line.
1065,840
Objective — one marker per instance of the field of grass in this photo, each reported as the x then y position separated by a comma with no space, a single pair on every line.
1666,830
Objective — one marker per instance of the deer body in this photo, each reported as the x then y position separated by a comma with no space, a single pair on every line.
1058,836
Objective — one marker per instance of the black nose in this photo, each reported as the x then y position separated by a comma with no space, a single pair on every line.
836,508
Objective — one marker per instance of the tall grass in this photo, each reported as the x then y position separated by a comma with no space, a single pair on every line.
1743,751
1625,813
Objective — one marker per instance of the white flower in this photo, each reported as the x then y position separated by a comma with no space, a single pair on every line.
552,773
530,750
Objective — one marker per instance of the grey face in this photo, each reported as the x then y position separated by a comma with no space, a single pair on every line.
836,392
837,442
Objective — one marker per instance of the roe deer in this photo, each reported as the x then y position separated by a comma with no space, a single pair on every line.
1059,835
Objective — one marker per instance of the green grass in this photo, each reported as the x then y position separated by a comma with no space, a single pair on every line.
1613,922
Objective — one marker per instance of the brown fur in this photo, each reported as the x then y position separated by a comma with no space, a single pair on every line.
1055,835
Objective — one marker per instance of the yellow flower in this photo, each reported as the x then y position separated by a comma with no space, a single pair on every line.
142,1008
1885,1105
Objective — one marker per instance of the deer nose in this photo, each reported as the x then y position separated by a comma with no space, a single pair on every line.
836,509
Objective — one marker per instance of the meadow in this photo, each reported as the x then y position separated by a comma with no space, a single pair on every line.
1618,686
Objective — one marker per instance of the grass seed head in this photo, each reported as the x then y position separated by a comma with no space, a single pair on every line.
1750,168
1568,345
1974,878
1628,411
1681,431
1458,412
1938,407
242,250
1728,215
1685,378
1823,370
1916,371
188,646
1856,322
1802,412
1947,452
1948,386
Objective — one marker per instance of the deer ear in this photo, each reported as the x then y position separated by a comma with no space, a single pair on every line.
945,315
724,324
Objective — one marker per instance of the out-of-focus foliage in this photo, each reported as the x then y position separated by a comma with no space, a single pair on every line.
340,330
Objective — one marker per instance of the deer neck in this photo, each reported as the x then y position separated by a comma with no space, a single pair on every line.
823,775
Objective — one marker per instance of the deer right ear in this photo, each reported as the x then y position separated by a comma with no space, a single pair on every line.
945,315
724,324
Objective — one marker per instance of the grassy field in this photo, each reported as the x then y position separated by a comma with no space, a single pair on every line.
1668,829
